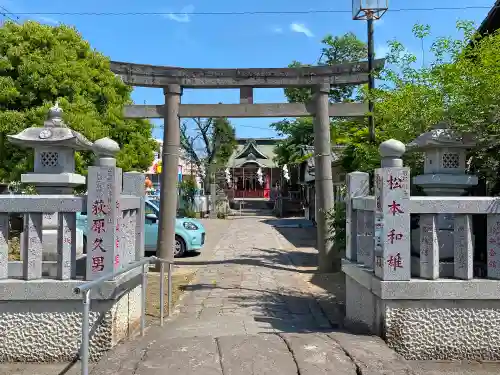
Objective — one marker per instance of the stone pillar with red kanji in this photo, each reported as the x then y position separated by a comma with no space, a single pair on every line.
103,211
392,214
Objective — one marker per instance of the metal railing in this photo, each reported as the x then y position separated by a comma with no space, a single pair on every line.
86,288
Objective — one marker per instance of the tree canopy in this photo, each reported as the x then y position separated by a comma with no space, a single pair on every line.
300,132
454,80
40,64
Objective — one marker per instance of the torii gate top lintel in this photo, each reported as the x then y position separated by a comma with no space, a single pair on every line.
161,76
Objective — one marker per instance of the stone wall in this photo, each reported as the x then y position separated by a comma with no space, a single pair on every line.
50,331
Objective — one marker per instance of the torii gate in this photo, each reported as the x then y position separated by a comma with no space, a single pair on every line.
174,79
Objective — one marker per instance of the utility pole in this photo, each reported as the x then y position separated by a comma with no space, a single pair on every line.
323,178
371,76
168,177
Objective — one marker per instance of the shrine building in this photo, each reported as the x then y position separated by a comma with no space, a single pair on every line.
252,168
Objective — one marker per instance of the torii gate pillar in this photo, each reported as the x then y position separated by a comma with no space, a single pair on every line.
323,178
168,178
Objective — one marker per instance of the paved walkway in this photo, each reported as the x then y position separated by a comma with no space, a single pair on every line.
249,312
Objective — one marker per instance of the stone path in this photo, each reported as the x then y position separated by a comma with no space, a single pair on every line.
248,312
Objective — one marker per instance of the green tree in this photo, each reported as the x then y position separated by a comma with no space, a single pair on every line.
335,50
210,144
40,64
459,86
300,132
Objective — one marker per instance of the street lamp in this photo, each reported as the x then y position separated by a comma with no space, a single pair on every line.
370,10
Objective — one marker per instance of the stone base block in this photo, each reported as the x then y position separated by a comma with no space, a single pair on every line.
50,331
426,319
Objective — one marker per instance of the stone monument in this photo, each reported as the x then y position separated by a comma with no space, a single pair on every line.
445,153
54,147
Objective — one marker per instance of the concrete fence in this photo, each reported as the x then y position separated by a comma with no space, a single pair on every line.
419,288
40,315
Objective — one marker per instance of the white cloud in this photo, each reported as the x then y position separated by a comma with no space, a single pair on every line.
277,30
301,28
48,20
183,15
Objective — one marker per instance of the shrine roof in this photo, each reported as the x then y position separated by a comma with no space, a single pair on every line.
258,151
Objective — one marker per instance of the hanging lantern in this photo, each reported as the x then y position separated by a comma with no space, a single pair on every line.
285,173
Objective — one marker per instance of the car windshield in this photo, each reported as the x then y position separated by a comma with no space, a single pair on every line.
155,207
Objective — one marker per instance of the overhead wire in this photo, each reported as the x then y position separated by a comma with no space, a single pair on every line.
247,13
9,15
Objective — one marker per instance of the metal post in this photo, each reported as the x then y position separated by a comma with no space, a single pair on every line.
144,277
170,161
323,178
371,80
84,349
169,288
162,292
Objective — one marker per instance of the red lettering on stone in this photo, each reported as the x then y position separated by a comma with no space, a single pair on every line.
395,208
393,236
99,207
395,261
98,226
97,264
97,245
395,182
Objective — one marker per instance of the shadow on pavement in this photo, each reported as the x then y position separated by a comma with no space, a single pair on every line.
274,259
283,310
299,232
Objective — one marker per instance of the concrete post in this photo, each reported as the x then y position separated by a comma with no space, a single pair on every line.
168,178
328,261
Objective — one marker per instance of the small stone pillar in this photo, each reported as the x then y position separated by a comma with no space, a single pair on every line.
54,147
104,215
392,214
444,175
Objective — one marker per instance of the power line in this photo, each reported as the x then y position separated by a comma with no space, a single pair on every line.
245,13
8,14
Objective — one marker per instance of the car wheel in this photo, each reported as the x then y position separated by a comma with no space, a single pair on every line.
179,247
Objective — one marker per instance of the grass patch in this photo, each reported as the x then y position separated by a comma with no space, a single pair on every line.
179,281
14,248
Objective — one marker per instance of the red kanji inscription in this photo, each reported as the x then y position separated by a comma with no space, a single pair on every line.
97,245
395,261
98,226
395,208
393,236
97,264
99,207
395,182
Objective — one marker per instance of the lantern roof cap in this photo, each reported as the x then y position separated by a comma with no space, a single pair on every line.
54,133
441,135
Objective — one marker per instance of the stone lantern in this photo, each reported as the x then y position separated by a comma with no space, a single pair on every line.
54,147
445,153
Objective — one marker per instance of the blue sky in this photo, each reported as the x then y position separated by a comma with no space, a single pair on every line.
234,41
